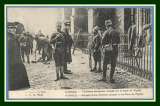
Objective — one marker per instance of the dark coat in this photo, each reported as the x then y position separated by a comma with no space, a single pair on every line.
58,40
25,44
18,78
111,37
132,37
68,45
97,47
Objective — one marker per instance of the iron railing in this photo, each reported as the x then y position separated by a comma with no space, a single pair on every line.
139,62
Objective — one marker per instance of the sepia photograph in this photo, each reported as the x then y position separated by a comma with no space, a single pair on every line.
79,52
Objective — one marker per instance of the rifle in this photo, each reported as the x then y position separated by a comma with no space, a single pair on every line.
90,61
75,43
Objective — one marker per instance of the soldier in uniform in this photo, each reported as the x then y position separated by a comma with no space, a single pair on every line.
58,41
132,38
45,45
31,38
96,46
39,43
68,45
90,50
25,45
17,74
110,41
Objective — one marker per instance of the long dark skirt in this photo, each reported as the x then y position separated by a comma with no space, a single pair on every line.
18,78
68,56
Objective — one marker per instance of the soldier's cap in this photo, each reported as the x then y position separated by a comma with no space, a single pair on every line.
108,22
67,22
96,28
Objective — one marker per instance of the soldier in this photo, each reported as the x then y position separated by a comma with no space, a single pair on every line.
47,49
18,78
31,38
45,43
38,40
96,46
90,50
58,41
146,32
110,41
132,38
68,45
25,46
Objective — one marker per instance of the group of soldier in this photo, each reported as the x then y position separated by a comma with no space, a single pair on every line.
104,48
57,47
20,44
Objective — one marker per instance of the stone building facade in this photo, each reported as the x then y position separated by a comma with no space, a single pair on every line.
84,19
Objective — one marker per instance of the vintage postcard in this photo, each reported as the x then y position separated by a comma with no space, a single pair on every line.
79,52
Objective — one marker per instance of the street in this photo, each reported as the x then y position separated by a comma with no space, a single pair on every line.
42,76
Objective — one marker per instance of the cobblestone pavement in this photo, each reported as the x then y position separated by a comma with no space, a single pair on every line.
42,76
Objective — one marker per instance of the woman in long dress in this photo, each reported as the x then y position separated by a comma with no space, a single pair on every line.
17,74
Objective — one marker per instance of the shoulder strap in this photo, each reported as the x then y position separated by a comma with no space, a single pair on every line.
110,30
109,33
60,33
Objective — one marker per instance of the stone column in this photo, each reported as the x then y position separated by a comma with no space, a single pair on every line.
120,16
90,20
139,18
72,21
